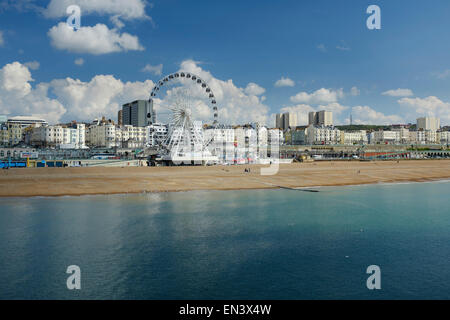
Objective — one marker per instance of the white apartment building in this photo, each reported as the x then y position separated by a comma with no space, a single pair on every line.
102,135
424,137
444,137
428,123
27,121
131,137
59,136
323,135
155,134
287,120
354,137
222,143
321,118
403,135
106,135
74,137
275,136
385,137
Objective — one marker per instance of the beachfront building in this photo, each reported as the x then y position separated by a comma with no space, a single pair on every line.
26,121
321,135
222,143
403,135
354,137
131,137
108,135
444,137
63,137
102,135
15,133
296,136
424,137
156,133
384,137
275,136
4,134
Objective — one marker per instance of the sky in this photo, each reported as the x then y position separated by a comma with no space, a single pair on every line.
260,57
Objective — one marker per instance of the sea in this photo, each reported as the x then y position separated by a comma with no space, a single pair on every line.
252,244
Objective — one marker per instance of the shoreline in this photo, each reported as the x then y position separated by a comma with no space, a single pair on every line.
444,180
60,182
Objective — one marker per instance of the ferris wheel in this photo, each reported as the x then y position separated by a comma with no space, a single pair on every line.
186,103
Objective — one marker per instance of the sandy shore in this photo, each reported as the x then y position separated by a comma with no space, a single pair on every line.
83,181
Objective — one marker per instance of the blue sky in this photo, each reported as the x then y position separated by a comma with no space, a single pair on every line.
323,46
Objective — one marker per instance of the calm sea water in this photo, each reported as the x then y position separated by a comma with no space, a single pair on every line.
257,244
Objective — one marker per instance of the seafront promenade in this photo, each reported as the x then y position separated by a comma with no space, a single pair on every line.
101,180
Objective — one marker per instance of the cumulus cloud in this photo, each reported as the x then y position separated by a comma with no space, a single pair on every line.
321,47
254,89
102,95
321,96
430,106
398,93
443,75
118,10
73,99
79,61
33,65
93,40
284,82
156,70
17,96
354,91
235,105
343,48
367,115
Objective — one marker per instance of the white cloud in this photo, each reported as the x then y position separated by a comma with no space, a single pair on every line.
430,106
104,95
284,82
118,10
321,96
33,65
17,97
156,70
235,105
367,115
443,75
74,99
354,91
322,47
254,89
343,46
94,40
79,61
398,93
